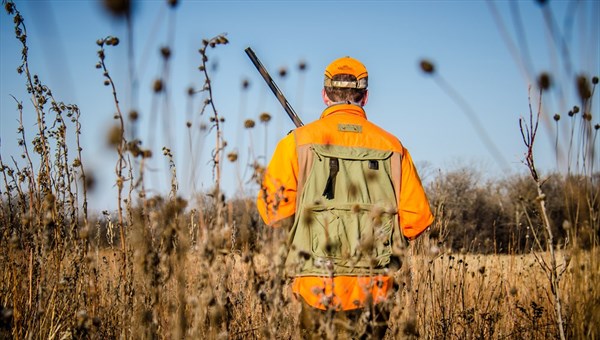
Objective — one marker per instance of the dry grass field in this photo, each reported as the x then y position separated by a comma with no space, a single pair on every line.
198,290
515,259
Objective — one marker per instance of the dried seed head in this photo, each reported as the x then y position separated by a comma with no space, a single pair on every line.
232,156
575,109
583,87
304,255
112,41
249,123
282,72
222,40
264,117
165,52
172,3
302,65
90,180
595,80
10,8
115,136
245,84
49,200
158,86
557,117
544,81
427,66
133,115
308,217
118,8
410,328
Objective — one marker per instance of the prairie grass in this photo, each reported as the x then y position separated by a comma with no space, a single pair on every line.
218,293
169,267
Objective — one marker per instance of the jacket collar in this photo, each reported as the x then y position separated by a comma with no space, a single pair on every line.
344,109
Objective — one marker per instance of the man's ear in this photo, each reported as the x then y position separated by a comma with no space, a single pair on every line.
326,99
365,98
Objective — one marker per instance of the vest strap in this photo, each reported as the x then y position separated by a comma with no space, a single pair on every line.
334,168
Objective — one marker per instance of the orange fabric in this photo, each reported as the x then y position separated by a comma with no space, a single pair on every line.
342,292
346,65
277,198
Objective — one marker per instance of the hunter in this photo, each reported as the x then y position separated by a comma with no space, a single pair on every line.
350,194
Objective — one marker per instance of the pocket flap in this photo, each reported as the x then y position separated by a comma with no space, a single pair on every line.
334,151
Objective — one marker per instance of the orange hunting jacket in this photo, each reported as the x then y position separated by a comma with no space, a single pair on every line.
276,200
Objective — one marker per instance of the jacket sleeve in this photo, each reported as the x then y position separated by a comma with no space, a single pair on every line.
276,199
414,211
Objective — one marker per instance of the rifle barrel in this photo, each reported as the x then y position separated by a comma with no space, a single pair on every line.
263,72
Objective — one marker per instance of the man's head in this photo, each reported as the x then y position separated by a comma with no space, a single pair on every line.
346,80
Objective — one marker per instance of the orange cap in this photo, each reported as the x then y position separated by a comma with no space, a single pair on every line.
346,65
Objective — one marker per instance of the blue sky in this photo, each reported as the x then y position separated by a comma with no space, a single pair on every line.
462,38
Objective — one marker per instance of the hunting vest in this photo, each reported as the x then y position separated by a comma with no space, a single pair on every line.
346,212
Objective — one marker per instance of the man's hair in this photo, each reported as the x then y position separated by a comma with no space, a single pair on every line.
340,94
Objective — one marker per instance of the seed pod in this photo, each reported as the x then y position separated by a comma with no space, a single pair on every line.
157,86
282,72
232,156
544,81
427,66
118,8
265,117
165,52
302,65
133,115
583,87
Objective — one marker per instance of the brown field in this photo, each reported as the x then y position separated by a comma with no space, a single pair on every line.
195,289
513,259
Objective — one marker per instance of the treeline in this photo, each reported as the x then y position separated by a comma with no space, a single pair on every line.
502,215
472,214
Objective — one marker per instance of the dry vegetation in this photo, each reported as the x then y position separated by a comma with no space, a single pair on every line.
205,267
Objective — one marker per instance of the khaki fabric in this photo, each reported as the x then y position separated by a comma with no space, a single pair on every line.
349,232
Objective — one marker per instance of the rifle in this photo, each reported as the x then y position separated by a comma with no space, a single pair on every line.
276,91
